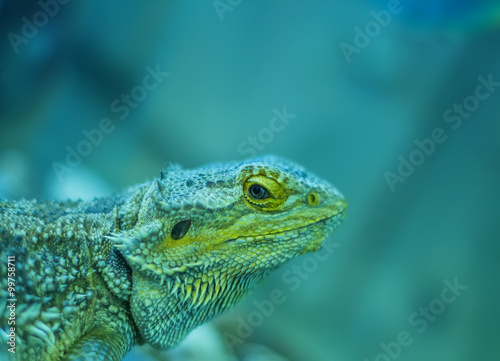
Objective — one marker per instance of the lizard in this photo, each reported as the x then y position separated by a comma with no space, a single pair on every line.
93,278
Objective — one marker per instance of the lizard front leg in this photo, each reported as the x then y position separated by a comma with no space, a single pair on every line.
101,344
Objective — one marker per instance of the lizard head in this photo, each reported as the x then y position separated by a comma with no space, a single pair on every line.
202,238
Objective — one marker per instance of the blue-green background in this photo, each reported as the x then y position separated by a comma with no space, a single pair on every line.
353,120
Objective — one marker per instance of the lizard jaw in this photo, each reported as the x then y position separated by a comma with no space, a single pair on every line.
334,215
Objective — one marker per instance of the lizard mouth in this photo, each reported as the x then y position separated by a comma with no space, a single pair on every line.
293,231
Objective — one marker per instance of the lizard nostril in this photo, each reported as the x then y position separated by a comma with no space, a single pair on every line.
313,199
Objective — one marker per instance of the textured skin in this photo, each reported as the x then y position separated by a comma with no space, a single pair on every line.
94,278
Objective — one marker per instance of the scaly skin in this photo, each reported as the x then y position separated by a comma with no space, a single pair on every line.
94,278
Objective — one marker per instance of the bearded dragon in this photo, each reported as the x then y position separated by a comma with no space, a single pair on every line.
88,280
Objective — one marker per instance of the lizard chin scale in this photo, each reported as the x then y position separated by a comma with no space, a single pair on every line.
199,298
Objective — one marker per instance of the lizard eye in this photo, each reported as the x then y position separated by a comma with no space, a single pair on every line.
263,192
256,191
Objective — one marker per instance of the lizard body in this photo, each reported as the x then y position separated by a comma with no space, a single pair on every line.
94,278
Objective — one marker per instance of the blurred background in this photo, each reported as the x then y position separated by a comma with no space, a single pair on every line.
396,103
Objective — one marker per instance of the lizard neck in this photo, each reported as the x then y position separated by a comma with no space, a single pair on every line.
108,260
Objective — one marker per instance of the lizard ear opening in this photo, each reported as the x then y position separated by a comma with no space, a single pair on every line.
180,229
